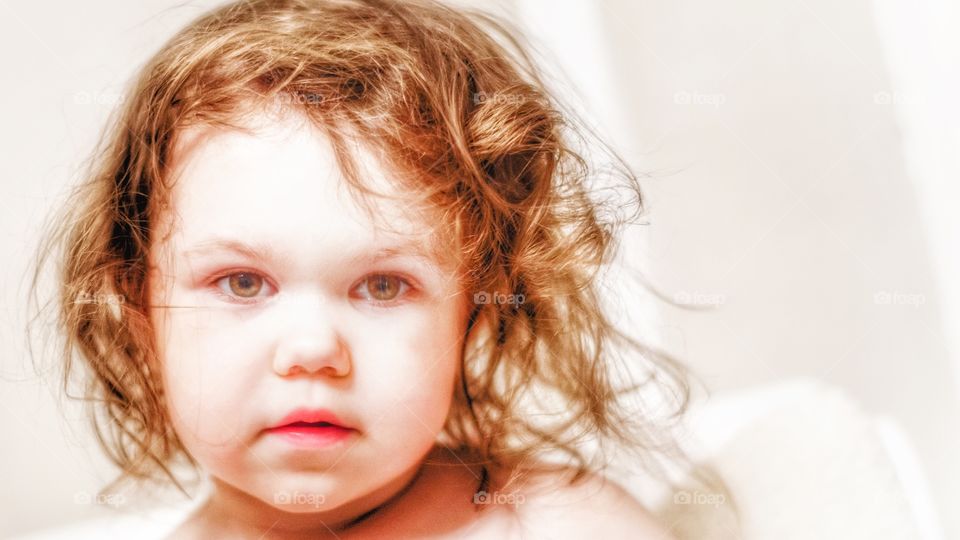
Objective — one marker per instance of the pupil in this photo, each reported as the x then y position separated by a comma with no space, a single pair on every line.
245,285
383,287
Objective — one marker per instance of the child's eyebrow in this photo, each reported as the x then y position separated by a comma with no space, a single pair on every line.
252,251
265,252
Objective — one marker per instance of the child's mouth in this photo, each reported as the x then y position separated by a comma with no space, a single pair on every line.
303,428
311,424
312,434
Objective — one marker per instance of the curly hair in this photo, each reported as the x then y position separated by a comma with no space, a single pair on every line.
451,101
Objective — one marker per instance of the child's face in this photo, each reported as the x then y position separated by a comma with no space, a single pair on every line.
284,295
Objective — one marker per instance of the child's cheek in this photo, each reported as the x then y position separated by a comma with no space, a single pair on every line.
408,370
209,366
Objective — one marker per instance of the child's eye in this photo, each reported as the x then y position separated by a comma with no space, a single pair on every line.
382,288
243,286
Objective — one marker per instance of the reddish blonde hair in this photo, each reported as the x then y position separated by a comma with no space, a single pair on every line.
455,106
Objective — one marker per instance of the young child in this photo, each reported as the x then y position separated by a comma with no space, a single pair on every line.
353,256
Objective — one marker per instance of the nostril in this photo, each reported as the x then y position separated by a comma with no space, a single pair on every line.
298,358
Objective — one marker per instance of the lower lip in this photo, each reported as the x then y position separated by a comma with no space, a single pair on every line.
312,437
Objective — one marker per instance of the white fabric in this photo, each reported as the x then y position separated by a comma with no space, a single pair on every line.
804,462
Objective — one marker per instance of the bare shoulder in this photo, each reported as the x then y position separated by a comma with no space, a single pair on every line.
550,506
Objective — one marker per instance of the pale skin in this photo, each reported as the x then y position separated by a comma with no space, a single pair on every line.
272,290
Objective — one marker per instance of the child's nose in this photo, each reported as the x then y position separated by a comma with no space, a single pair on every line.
309,354
311,344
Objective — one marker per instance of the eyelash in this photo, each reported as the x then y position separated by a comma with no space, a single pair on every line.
407,287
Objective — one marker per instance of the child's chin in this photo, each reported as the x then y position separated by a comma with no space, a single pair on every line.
302,508
301,502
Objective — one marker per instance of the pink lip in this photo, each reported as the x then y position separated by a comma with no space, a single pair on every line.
311,416
313,428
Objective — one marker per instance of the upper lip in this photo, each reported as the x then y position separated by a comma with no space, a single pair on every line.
311,416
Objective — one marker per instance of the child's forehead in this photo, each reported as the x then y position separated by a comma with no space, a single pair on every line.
277,179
